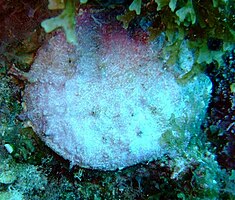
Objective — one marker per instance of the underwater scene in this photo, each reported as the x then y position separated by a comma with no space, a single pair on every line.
117,100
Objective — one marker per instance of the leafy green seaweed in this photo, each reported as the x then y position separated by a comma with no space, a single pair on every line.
66,20
136,6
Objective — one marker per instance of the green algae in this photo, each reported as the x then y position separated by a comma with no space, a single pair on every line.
195,21
65,20
136,6
126,18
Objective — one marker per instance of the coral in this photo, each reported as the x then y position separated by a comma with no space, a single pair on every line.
22,140
11,195
230,184
10,107
221,118
22,179
19,19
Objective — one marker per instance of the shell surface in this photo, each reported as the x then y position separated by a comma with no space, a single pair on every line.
106,103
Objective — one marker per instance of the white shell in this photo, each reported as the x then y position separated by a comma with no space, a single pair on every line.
9,148
108,103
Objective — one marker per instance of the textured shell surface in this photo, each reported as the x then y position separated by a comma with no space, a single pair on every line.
105,103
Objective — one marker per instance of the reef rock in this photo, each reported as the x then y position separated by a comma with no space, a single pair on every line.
107,102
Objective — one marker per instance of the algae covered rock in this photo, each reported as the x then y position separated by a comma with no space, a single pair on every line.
110,102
